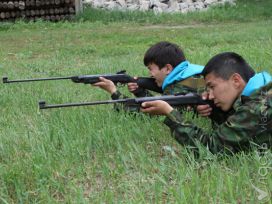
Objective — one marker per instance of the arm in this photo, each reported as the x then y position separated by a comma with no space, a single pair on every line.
235,134
110,87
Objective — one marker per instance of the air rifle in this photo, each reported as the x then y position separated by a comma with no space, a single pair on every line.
120,77
173,100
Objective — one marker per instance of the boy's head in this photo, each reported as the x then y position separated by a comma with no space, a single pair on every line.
226,75
162,58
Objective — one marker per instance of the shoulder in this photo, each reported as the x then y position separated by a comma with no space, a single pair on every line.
178,87
251,110
262,97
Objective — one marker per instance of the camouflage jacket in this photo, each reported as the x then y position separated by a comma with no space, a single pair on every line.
249,124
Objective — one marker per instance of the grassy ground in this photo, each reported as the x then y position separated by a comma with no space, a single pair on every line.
95,155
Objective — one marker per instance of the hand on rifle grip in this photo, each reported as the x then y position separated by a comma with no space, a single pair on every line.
204,110
106,85
133,86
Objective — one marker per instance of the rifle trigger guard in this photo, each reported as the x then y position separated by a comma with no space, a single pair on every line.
121,72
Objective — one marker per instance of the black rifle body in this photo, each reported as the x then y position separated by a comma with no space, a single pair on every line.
173,100
143,82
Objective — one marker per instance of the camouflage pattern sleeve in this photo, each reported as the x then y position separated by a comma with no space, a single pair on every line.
118,106
117,95
250,124
140,92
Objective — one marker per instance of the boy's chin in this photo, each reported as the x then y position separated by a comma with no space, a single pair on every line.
224,108
159,84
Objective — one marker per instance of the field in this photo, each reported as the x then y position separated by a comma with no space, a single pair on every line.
93,154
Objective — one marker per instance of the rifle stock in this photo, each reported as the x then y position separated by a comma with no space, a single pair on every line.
173,100
120,77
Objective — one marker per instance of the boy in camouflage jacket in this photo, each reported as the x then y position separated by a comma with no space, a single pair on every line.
233,86
167,64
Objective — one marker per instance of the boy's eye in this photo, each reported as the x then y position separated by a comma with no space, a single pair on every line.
208,88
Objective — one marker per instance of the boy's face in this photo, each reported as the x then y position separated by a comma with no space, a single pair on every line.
224,92
159,74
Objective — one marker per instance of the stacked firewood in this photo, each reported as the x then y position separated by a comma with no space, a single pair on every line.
52,10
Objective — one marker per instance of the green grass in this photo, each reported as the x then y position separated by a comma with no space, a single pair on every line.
95,155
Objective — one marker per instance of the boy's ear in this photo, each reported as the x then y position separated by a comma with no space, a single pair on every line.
238,81
169,68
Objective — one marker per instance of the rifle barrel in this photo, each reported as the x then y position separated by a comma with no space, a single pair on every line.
174,100
5,79
43,105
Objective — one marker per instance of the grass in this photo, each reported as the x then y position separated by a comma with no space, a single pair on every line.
95,155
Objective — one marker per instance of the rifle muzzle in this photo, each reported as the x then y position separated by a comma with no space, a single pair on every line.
42,104
5,80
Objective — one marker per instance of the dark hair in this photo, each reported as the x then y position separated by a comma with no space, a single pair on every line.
163,53
227,63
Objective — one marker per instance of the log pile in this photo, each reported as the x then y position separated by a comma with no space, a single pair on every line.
51,10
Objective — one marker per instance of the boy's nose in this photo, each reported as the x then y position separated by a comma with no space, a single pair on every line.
210,95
